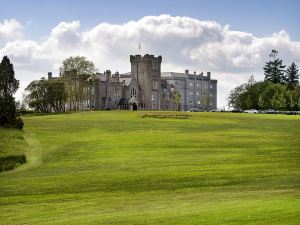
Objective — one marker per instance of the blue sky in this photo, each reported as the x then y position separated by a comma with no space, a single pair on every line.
192,34
260,17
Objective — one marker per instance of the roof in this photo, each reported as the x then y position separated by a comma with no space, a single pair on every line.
175,75
126,80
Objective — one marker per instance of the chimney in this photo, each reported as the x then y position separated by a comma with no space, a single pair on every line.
208,75
49,75
187,72
108,76
117,76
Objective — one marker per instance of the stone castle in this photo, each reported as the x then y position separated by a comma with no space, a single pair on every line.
147,88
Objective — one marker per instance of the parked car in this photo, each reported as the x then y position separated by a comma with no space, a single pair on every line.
236,111
194,110
270,111
251,111
291,112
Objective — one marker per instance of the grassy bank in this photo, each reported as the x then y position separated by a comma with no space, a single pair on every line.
120,168
12,149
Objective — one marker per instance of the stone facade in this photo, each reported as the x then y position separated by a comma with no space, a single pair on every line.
196,91
147,88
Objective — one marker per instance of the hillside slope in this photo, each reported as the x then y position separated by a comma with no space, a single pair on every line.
120,168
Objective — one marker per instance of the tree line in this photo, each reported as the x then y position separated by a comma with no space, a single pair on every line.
71,90
280,89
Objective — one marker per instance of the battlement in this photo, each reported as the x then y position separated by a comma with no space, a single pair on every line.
146,58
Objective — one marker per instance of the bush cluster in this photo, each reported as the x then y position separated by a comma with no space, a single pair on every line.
11,162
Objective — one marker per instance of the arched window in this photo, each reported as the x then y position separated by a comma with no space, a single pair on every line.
133,92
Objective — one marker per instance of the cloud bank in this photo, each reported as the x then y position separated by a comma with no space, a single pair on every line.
184,43
10,30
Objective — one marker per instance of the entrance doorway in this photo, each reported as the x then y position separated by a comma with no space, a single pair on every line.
134,106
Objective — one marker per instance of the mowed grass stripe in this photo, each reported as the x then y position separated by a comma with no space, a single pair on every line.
118,168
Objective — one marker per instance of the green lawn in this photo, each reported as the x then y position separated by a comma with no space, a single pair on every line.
118,168
12,148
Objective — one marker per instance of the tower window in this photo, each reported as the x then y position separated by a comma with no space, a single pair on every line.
154,96
133,93
154,85
116,92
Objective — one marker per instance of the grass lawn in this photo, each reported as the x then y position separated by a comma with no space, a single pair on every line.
118,168
12,148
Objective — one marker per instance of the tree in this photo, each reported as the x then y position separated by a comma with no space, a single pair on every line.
47,95
275,102
8,87
274,69
292,76
75,72
251,80
176,99
236,96
248,102
281,101
205,101
291,99
261,102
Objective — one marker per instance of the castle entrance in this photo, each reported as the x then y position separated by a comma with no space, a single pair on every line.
134,106
133,103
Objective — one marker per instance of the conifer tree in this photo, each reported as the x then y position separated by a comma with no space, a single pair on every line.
8,87
292,76
274,69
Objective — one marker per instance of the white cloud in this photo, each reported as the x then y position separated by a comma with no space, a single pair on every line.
10,30
183,42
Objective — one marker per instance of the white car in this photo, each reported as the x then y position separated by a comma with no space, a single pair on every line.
251,111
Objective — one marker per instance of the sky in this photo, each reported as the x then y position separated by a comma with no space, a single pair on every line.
230,38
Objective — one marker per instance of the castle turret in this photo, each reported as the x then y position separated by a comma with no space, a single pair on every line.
108,76
147,72
116,77
49,75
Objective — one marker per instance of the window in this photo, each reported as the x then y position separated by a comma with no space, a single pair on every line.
154,96
155,66
211,86
210,95
116,92
191,93
191,84
133,93
92,90
198,93
154,85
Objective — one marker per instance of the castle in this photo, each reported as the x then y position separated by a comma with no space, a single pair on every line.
147,88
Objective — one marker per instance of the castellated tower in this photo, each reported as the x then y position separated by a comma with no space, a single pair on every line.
146,70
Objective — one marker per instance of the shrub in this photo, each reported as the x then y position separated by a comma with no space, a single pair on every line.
11,162
18,123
